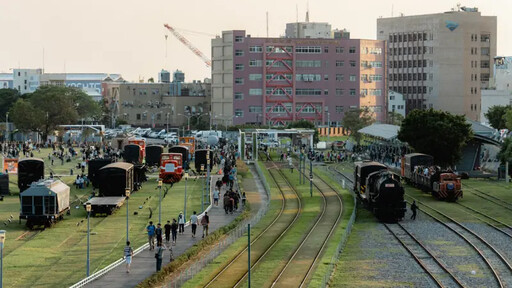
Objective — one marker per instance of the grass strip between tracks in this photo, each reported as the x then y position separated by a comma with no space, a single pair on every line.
213,269
348,207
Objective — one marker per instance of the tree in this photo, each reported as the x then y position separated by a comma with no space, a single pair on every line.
306,125
395,118
496,116
356,119
437,133
7,99
50,106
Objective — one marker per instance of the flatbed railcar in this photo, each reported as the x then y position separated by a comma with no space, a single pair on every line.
44,203
419,170
380,190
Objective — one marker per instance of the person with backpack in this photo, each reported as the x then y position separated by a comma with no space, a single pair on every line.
205,221
174,230
158,234
151,235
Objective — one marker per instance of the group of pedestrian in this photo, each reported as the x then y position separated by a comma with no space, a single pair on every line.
230,201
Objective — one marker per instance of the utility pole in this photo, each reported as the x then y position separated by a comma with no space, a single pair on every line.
311,175
249,255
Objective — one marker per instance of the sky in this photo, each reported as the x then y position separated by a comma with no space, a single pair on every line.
128,36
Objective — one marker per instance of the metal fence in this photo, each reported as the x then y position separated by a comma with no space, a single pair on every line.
240,230
341,244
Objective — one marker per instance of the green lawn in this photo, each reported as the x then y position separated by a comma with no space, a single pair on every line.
56,257
334,138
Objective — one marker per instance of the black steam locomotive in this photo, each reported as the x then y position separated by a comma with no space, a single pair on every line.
380,190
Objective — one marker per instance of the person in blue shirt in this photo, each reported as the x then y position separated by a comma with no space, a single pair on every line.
151,235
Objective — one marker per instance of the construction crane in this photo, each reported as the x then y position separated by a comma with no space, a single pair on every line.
189,45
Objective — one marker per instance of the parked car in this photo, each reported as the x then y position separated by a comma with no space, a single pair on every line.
172,140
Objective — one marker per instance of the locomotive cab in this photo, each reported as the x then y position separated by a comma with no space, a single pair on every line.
448,186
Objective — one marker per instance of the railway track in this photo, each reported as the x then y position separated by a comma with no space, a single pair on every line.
498,225
494,260
500,267
262,244
297,271
491,198
424,257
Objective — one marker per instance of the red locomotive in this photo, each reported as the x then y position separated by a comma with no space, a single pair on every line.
171,167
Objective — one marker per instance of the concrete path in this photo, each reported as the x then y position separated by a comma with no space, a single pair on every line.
144,263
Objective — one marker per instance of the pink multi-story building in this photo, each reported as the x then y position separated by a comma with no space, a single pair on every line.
279,80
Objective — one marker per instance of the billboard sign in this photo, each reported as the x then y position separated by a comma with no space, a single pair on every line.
11,165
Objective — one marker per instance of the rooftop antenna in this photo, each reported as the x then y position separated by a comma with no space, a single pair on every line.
307,13
267,24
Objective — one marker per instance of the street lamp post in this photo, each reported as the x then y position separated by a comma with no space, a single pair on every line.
127,193
208,174
159,201
202,190
185,205
2,240
6,127
328,126
167,120
88,209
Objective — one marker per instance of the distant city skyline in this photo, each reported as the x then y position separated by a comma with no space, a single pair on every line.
128,37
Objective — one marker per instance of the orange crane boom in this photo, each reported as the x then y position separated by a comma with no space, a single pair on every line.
189,45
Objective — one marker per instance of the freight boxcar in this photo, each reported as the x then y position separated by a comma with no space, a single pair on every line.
115,178
133,153
29,170
44,203
200,159
153,153
94,167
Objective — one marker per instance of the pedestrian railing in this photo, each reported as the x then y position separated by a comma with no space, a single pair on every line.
239,231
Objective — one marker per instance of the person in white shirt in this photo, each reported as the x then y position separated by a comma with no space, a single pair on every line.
193,223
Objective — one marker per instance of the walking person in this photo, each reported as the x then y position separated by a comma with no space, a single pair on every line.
128,254
414,207
204,222
151,235
167,228
193,223
181,222
174,230
159,255
158,234
243,199
227,202
216,196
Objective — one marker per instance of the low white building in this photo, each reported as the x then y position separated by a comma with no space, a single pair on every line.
396,102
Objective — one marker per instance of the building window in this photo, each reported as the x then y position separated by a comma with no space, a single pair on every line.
484,38
352,50
255,77
484,77
138,116
326,77
239,53
339,92
255,49
339,50
339,77
239,96
308,77
392,97
326,49
339,109
308,63
308,92
352,63
308,50
158,116
353,92
239,81
239,66
255,63
255,91
255,109
483,50
352,78
326,92
239,38
340,63
239,113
